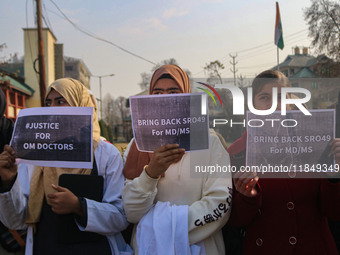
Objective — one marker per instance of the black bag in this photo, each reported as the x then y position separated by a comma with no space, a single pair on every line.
89,186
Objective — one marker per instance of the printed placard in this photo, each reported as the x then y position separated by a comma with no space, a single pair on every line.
168,119
54,136
294,142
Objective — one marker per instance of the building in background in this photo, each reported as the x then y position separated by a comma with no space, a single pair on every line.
16,92
303,65
31,61
75,68
20,78
320,75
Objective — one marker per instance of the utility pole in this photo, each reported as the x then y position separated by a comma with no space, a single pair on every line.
100,91
42,79
234,71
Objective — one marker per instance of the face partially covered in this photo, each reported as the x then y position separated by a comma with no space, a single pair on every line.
263,100
166,86
55,99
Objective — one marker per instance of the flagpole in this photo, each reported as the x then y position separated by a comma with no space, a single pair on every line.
277,49
278,37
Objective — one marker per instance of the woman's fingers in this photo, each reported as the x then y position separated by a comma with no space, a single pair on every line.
169,155
245,183
162,158
9,149
166,147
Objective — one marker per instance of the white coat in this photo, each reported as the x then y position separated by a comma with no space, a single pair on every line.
106,218
207,193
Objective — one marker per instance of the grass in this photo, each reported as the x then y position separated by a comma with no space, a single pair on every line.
121,147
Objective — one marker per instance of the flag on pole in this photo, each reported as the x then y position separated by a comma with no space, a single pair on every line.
278,29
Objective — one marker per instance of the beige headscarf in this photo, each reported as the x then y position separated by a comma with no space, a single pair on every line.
76,94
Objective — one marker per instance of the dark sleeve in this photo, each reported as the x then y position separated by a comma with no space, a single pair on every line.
330,198
244,209
82,220
7,126
334,180
6,189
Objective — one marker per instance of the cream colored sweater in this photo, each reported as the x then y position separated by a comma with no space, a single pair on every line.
207,194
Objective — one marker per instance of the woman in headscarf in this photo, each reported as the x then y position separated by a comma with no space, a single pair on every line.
34,199
164,175
286,213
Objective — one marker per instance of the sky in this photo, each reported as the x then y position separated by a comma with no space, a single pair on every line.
194,32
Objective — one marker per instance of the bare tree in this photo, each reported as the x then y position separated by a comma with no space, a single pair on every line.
110,112
120,103
214,70
115,113
144,84
241,81
323,18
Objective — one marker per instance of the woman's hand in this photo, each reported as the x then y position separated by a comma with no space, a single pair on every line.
64,201
335,151
8,169
162,158
245,183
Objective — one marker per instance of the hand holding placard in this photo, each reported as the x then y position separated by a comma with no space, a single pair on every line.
335,151
8,168
303,148
162,158
54,137
245,183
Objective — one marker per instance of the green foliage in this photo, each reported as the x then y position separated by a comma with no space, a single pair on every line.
122,151
104,132
110,134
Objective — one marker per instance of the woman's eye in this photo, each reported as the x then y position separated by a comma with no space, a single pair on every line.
61,101
47,104
264,98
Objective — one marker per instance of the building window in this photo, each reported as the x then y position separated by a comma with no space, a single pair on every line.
16,102
20,101
11,98
68,68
